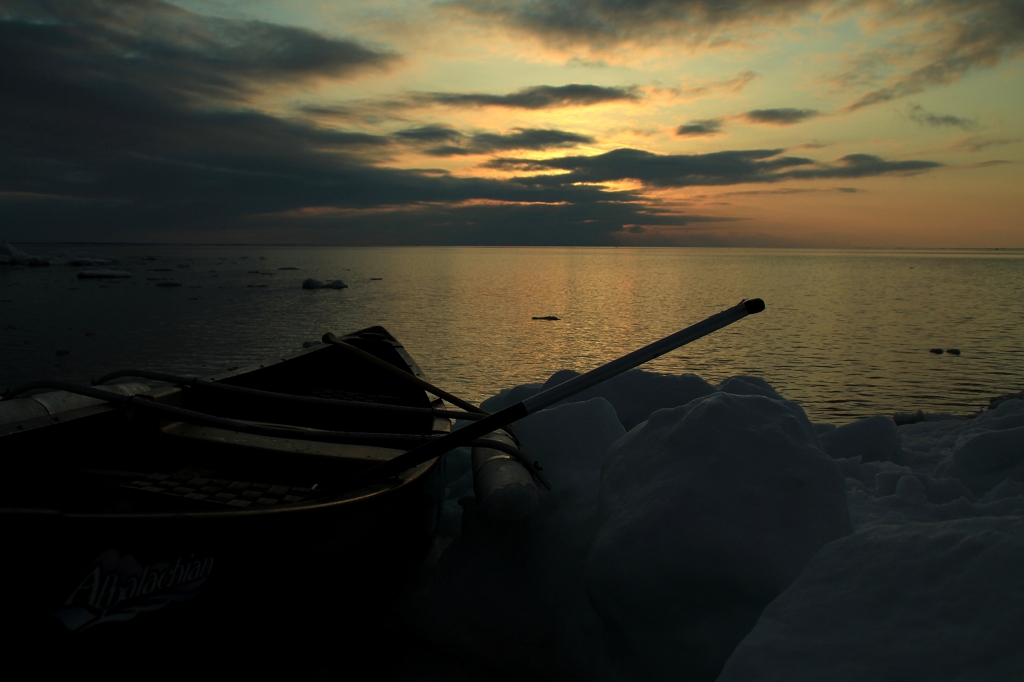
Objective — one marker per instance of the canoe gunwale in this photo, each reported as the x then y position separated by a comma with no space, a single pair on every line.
170,394
357,496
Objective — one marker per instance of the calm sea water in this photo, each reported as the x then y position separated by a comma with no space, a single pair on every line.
846,333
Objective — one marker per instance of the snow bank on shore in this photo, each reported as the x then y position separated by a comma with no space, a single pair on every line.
694,529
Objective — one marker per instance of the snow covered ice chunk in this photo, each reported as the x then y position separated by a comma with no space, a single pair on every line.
873,439
657,549
635,394
518,587
990,451
941,602
748,385
989,448
910,488
707,512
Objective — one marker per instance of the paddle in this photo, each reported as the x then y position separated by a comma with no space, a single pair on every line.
551,396
401,374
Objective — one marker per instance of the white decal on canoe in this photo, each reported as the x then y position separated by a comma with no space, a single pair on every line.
117,588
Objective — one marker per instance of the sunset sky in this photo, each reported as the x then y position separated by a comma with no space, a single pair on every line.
880,123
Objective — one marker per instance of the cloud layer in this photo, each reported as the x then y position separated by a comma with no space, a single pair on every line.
537,97
937,42
709,126
717,168
919,114
140,117
780,117
607,23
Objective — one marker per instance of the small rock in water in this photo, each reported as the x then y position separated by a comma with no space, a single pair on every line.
103,274
167,283
376,279
547,317
937,351
953,351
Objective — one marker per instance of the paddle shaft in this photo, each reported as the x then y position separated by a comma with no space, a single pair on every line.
554,394
402,374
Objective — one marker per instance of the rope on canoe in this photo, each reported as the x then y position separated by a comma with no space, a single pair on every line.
144,402
198,382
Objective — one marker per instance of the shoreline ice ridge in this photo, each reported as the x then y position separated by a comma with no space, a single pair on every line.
713,532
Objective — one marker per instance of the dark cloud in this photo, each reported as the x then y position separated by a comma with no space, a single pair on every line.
863,166
528,138
709,126
735,84
122,142
784,191
430,133
482,223
940,40
522,138
460,144
976,144
113,125
172,52
665,170
604,23
780,117
919,114
962,36
536,97
718,168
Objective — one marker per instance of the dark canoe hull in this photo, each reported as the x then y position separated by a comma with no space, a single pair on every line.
95,577
96,581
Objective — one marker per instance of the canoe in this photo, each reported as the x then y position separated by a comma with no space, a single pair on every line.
121,523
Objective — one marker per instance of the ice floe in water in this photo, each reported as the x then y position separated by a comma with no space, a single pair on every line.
104,273
12,255
317,284
705,532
